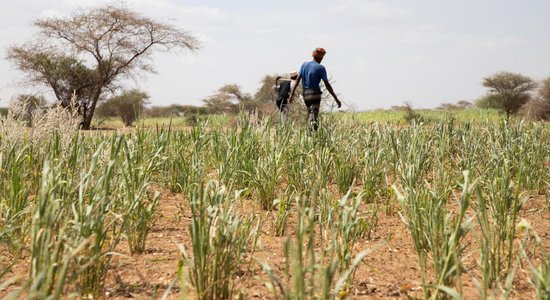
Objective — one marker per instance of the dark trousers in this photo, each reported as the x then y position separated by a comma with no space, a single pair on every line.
283,108
312,99
313,115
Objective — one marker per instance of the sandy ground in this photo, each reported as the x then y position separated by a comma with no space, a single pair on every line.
390,272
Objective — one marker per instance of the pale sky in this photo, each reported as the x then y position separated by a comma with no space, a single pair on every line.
380,53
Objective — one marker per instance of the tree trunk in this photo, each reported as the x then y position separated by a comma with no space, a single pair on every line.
87,122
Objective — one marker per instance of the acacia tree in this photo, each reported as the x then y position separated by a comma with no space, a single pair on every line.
265,92
28,105
227,99
128,106
461,104
65,75
103,45
509,91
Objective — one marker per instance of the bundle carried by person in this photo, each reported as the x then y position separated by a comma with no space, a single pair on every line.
282,90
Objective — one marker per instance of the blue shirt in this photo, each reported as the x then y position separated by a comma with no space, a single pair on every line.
312,72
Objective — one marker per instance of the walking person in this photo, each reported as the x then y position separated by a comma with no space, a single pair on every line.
312,72
282,89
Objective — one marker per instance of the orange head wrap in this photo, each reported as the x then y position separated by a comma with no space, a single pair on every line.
319,52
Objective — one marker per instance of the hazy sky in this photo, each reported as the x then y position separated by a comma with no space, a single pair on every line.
380,53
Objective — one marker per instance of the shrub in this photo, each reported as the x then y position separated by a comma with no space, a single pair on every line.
411,115
539,107
3,111
128,106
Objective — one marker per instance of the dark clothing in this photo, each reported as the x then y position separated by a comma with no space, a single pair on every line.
283,95
312,96
313,115
312,99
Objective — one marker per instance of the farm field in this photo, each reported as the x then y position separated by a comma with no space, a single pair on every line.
473,115
368,207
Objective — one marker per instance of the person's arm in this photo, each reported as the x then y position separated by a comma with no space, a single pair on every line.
331,91
294,88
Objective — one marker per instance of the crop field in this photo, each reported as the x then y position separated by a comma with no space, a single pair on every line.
256,209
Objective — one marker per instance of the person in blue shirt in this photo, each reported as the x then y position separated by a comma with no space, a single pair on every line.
312,72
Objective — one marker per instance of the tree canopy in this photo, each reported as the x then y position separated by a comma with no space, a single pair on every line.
27,106
265,93
64,74
509,91
128,106
539,107
227,99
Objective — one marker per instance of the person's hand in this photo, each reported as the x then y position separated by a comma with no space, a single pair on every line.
338,103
